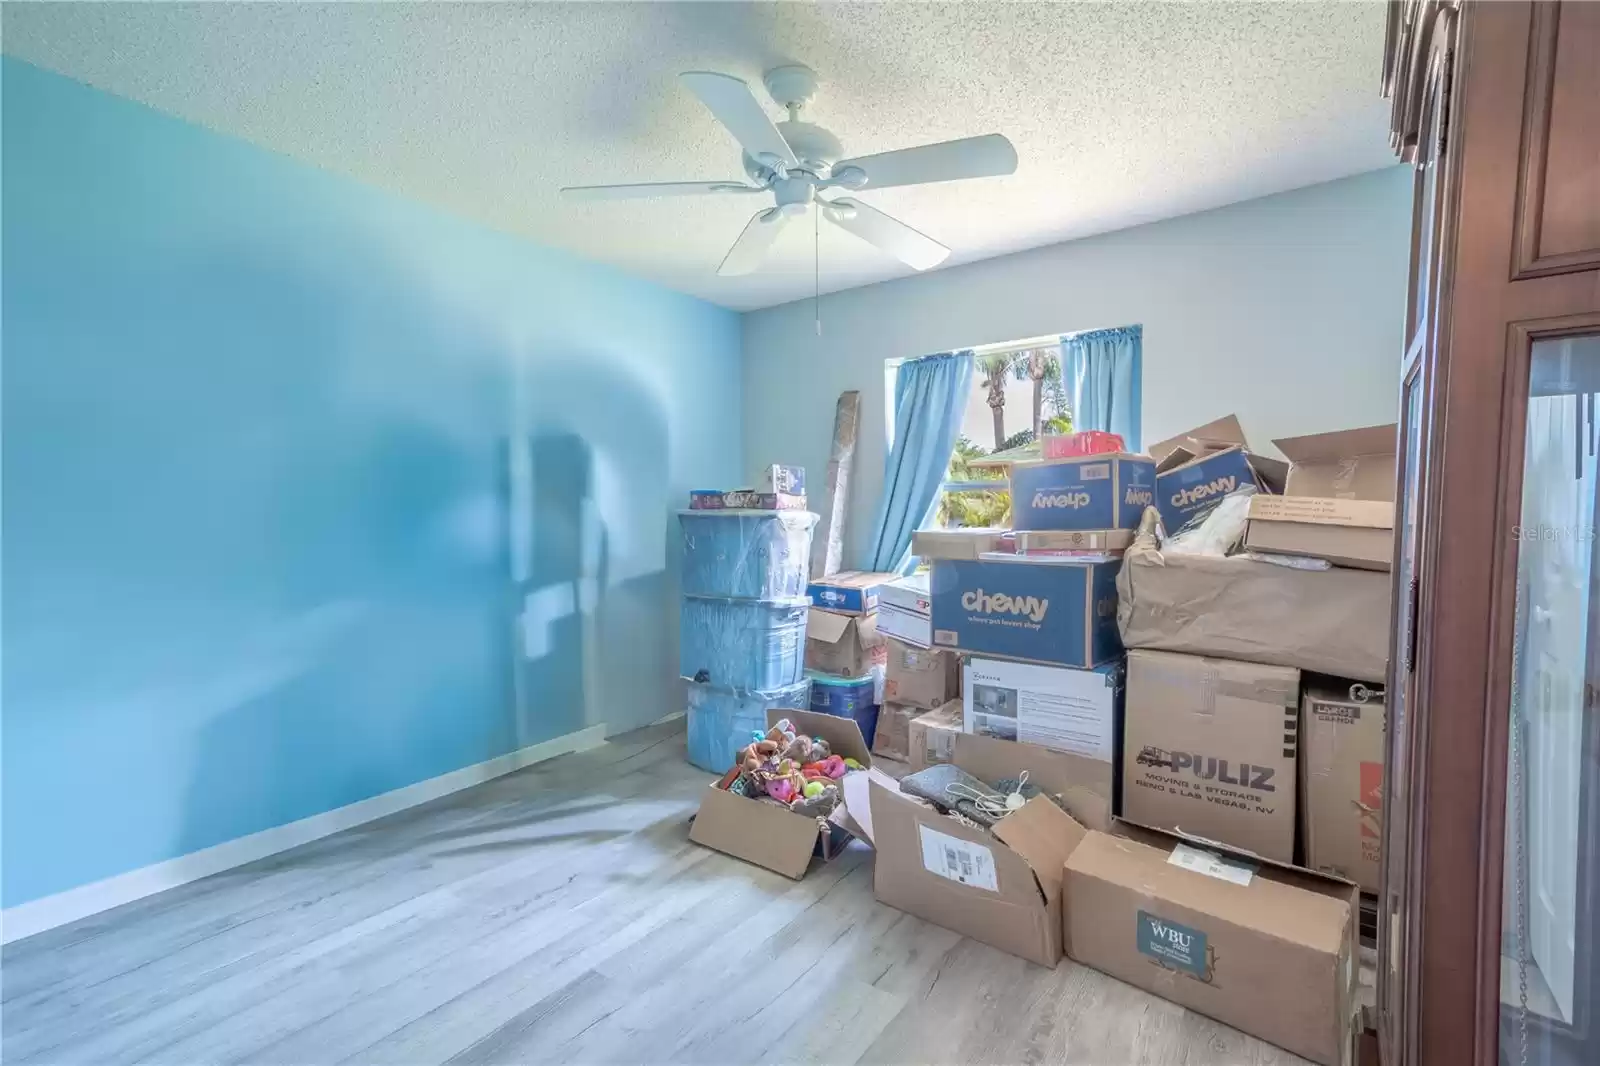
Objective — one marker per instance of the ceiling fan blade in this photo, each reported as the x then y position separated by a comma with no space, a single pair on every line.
753,244
737,108
890,234
970,157
657,188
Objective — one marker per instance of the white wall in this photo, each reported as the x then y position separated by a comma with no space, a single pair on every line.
1287,310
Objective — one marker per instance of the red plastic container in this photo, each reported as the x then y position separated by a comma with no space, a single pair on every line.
1087,442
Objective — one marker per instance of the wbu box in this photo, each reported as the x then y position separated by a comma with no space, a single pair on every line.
1089,492
1056,611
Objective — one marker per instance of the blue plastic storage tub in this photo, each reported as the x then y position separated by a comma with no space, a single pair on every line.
746,644
847,698
756,555
723,720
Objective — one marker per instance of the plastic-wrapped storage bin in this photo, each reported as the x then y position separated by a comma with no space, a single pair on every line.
722,720
744,644
756,555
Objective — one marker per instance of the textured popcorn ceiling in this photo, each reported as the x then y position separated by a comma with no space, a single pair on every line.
1121,113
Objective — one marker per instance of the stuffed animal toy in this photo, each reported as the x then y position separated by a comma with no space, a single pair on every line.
831,768
819,804
751,756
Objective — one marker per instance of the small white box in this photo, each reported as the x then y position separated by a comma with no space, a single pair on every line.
912,628
909,594
1054,707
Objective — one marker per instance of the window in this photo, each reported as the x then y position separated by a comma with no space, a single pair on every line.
1018,394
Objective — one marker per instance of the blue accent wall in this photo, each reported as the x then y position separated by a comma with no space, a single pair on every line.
286,458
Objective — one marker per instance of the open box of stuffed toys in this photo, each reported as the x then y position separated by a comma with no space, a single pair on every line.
783,800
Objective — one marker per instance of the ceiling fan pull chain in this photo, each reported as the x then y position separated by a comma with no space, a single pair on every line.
816,265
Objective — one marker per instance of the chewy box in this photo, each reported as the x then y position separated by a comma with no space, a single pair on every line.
1196,486
1088,492
773,836
1061,612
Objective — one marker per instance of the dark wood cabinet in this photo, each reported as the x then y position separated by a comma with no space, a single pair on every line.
1488,946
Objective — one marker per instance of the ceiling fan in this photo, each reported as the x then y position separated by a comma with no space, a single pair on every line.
797,162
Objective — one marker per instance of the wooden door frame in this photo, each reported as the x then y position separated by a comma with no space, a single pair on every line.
1473,498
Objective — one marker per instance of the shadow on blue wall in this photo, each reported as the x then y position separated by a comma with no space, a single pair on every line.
285,460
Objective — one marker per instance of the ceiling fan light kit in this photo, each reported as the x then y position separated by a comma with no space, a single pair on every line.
797,162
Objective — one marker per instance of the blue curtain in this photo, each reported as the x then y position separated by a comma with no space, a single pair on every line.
930,396
1102,369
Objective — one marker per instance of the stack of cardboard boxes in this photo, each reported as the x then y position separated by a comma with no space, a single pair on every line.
1206,731
919,679
1034,612
1231,776
845,654
1255,745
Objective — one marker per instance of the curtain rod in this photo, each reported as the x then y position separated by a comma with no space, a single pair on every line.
1016,346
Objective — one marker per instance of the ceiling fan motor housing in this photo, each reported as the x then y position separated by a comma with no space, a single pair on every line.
816,148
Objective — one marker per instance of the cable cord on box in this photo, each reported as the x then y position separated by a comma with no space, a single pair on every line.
991,804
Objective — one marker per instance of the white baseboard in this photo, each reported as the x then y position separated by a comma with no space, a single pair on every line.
36,916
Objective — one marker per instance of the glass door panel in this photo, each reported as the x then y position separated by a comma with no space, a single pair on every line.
1550,950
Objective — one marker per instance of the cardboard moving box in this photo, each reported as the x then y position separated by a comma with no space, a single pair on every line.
1004,887
1268,950
1330,621
1356,533
892,738
769,835
1341,755
933,544
921,677
933,735
1338,501
848,591
845,645
1348,464
1211,749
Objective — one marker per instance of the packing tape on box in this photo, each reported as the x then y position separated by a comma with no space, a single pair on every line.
1346,474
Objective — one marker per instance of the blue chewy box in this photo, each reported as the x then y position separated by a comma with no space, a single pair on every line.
1091,492
1058,611
1191,490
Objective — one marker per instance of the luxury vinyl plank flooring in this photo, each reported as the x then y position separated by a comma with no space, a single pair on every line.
560,914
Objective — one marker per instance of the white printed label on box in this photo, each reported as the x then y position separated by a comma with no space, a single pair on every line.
1212,865
1051,706
959,860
